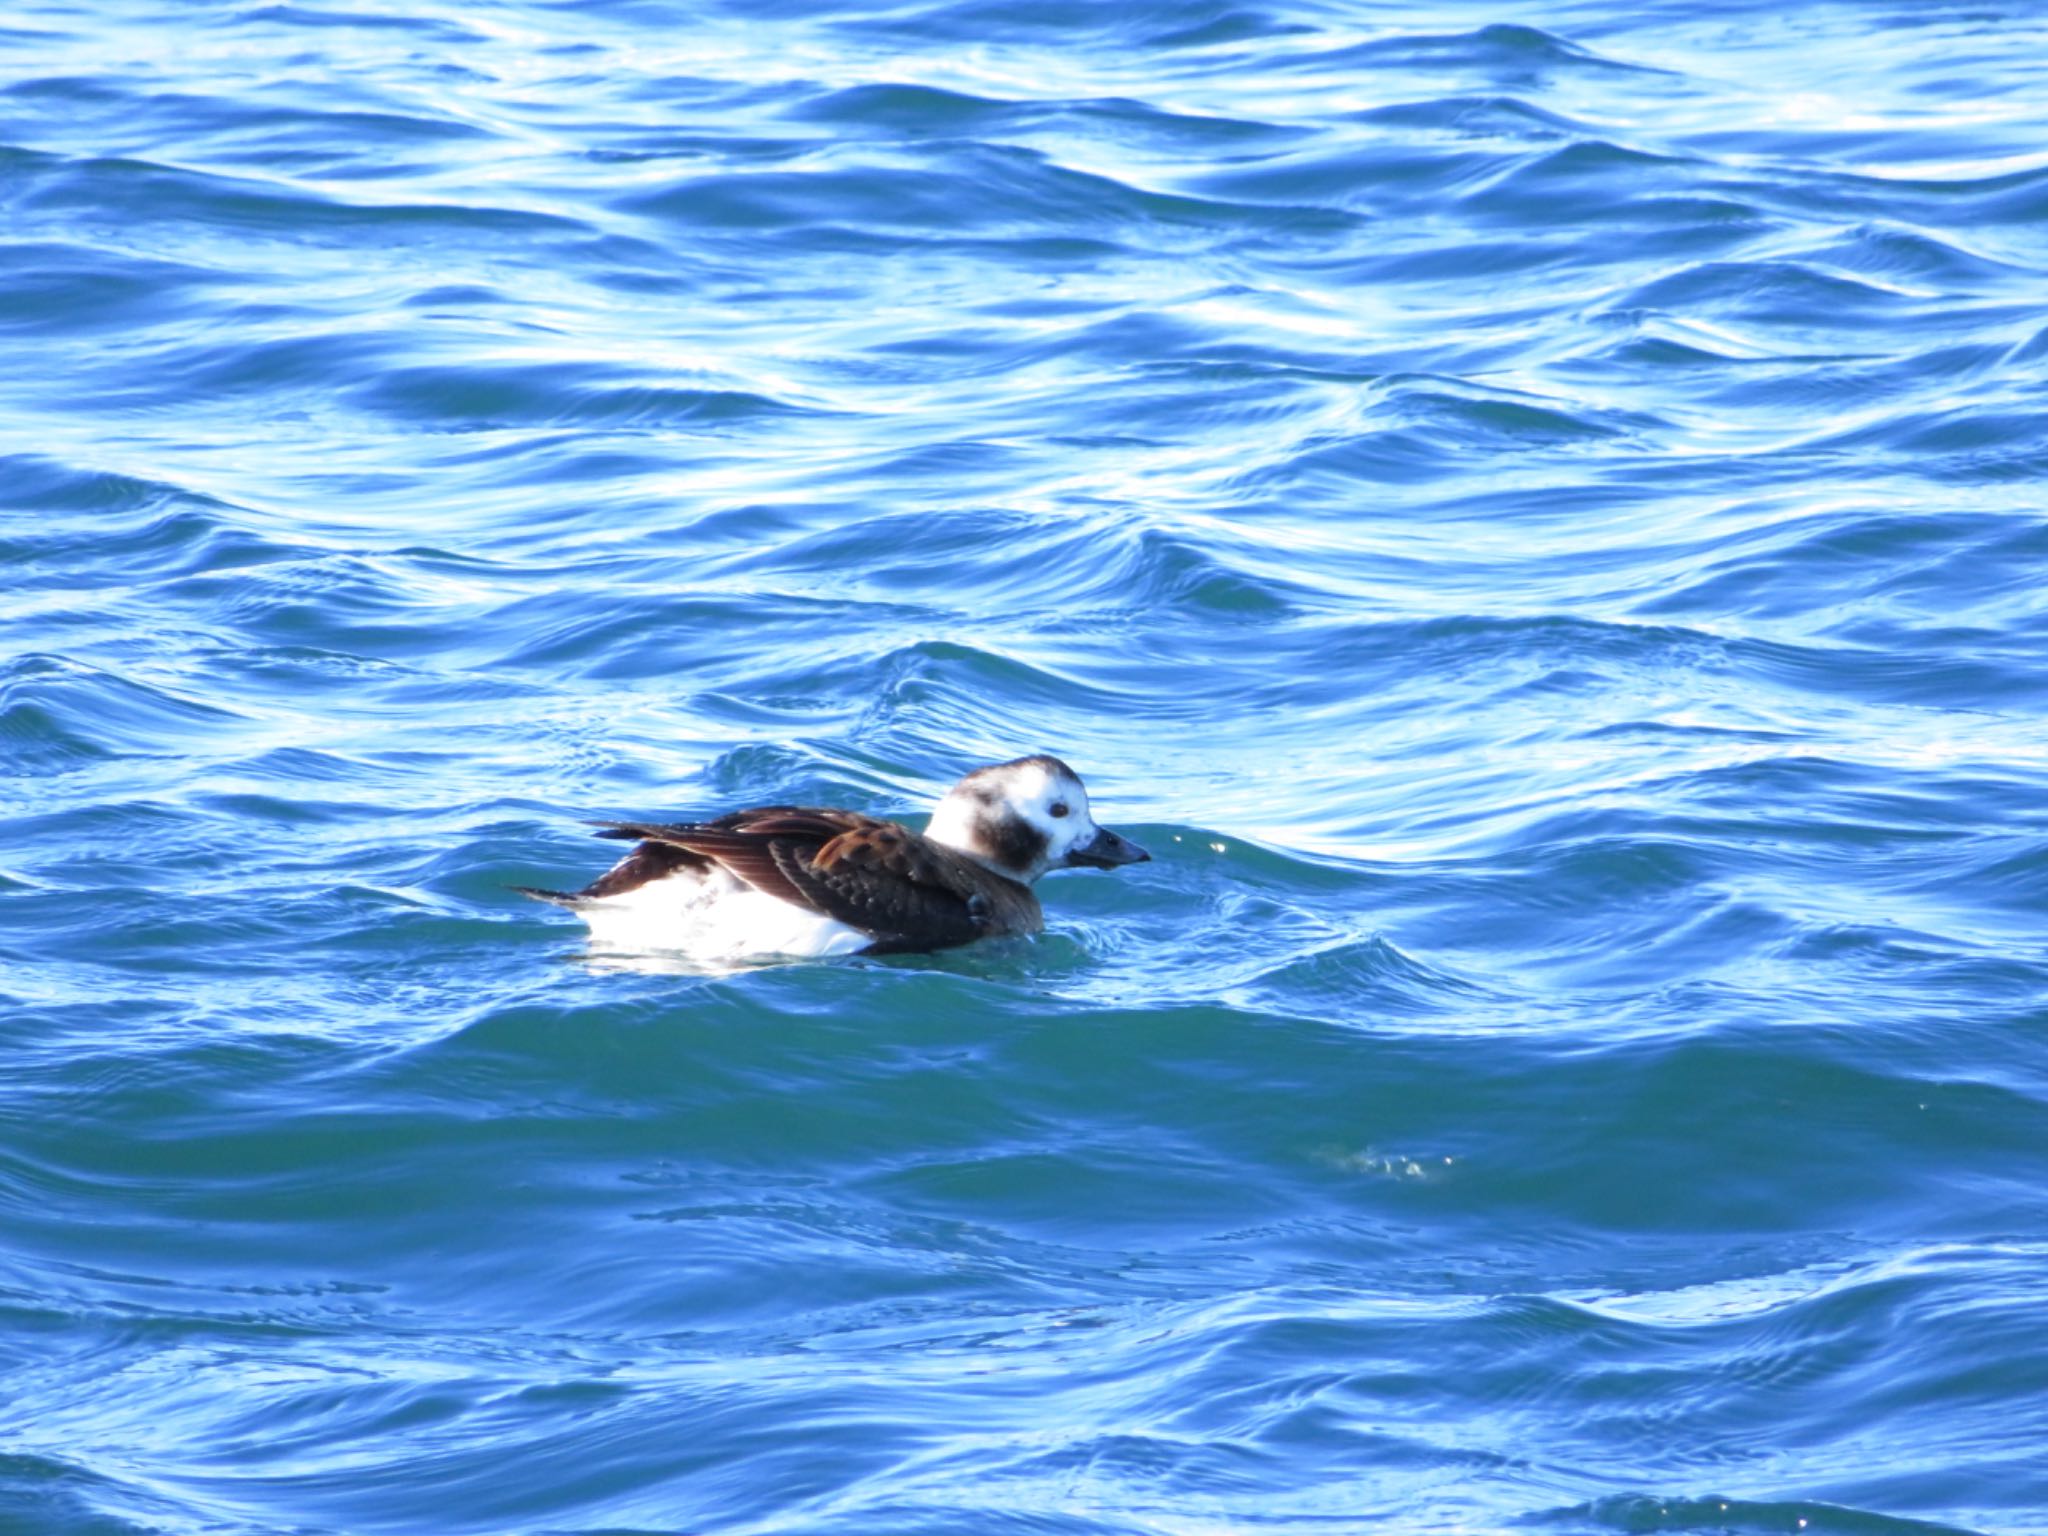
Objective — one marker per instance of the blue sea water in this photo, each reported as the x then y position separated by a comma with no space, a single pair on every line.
1533,513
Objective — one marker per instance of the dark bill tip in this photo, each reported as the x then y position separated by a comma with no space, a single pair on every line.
1106,850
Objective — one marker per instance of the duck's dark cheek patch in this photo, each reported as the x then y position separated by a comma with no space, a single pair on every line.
1015,843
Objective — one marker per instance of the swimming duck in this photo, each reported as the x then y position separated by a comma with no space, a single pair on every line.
795,880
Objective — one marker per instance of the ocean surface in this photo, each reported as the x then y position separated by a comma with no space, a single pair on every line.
1535,515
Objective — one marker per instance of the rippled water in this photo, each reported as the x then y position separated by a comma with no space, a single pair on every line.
1536,519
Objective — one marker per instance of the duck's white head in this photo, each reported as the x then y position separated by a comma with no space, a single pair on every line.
1026,817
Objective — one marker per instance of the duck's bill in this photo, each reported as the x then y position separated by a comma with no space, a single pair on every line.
1106,850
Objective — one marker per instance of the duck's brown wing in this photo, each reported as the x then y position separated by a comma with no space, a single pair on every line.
904,891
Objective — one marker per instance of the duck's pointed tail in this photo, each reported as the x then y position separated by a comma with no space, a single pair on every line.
567,899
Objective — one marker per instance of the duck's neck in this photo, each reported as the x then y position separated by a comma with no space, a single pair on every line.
967,827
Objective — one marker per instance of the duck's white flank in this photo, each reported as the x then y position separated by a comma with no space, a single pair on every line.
713,916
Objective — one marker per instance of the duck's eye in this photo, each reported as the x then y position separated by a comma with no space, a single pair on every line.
1059,807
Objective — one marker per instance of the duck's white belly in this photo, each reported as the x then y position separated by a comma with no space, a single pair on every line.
714,916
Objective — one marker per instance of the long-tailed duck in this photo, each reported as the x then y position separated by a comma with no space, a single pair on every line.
792,880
